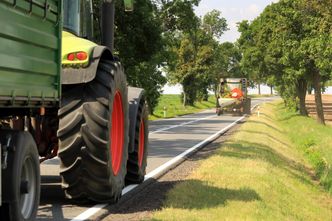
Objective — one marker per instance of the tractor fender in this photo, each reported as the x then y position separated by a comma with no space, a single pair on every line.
135,95
87,74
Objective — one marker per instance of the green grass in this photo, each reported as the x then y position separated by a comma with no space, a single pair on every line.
260,95
258,174
175,108
312,139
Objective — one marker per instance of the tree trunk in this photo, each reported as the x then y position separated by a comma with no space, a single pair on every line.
184,99
215,87
301,93
309,89
259,88
318,97
271,90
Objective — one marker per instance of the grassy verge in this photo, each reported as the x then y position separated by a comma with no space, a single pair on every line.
312,139
260,95
259,174
174,106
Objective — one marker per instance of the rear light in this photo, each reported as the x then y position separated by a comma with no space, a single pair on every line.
81,55
71,57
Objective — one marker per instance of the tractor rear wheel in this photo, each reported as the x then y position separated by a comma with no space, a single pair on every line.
137,160
93,135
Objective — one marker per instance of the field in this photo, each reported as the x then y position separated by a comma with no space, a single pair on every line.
327,105
173,106
271,169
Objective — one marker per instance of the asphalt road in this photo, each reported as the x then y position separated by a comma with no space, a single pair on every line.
168,138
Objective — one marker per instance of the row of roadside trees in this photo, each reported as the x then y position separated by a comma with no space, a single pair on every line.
290,46
167,36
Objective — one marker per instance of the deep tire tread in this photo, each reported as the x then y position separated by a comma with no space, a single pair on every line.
84,137
135,172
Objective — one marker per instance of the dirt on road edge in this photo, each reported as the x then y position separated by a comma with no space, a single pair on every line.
145,201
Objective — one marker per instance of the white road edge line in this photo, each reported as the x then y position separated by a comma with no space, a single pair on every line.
153,174
96,208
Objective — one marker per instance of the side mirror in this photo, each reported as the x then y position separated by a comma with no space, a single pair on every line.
129,5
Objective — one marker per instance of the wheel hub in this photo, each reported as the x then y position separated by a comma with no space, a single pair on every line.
28,187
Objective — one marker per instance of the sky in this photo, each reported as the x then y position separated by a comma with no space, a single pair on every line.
233,11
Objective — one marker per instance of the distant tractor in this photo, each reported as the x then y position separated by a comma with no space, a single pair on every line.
232,96
63,94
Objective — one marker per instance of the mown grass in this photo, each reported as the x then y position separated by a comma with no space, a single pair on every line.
260,95
259,174
312,139
174,106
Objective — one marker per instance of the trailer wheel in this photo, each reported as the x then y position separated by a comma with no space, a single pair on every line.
220,111
137,160
21,178
93,135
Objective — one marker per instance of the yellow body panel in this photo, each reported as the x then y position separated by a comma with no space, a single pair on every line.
73,44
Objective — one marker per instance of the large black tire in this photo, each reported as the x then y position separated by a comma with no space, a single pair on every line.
137,160
90,167
21,178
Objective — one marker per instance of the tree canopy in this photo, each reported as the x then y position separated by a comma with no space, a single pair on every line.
290,45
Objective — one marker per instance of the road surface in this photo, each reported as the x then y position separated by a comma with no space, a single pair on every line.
168,138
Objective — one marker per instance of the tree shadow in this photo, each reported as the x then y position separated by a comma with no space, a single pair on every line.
201,195
196,195
248,150
265,124
267,135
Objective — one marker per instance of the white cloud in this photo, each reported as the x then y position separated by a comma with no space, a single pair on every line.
253,9
234,11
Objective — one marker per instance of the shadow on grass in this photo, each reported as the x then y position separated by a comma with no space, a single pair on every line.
265,124
267,135
191,194
250,150
196,194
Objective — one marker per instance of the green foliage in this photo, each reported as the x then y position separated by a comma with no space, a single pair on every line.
139,44
289,45
192,58
214,24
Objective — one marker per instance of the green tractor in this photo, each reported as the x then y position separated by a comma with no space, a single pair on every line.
64,94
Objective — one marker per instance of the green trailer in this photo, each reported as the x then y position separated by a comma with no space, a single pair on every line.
30,53
62,93
30,69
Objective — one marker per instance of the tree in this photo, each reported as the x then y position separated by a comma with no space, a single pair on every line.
214,24
192,49
290,41
139,44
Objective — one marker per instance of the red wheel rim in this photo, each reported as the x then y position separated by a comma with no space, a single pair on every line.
117,133
141,143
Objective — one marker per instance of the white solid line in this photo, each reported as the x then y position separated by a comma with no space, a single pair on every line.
153,174
179,157
180,125
89,212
